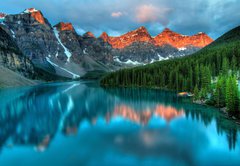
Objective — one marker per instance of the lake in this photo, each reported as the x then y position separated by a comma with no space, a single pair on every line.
80,123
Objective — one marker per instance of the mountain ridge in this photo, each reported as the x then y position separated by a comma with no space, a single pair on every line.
61,51
166,37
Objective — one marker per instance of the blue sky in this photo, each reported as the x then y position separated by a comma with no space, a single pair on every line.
188,17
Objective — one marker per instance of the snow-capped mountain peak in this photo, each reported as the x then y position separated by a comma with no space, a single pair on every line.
2,15
30,10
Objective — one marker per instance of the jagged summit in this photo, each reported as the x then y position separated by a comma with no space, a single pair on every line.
36,14
104,36
64,26
166,37
180,41
139,35
141,29
2,15
167,30
30,10
89,34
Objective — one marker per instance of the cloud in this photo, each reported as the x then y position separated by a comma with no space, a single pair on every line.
116,14
150,13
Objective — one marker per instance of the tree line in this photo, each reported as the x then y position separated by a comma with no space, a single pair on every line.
211,73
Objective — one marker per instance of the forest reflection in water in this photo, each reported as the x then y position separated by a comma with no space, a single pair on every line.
34,116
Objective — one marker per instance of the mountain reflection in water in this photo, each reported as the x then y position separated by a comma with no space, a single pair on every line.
142,117
138,121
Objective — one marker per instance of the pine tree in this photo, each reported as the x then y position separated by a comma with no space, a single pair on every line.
190,80
220,92
205,77
196,93
196,79
225,66
231,94
234,64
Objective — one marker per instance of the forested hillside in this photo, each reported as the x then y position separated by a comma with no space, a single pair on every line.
199,71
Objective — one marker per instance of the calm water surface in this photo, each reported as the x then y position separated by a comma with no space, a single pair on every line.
83,124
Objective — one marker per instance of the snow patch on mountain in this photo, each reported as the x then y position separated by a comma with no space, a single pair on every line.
160,58
182,49
53,64
13,33
136,63
2,19
30,10
128,62
133,62
66,51
85,51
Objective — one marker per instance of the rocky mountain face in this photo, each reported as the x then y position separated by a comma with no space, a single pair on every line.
60,51
138,47
55,50
167,37
140,53
96,48
139,35
12,58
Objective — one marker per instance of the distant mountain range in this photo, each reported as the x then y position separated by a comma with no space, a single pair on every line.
167,37
59,51
185,73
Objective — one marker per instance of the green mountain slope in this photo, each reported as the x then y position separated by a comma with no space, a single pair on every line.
231,36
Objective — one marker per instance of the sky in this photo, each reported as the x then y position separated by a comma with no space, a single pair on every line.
116,17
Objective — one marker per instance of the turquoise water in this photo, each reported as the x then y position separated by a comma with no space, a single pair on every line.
80,123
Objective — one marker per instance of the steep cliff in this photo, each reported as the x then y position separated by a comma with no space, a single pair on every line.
12,58
14,67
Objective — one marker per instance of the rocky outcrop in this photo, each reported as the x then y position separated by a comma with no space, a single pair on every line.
12,58
82,56
69,39
34,36
96,48
36,14
64,26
